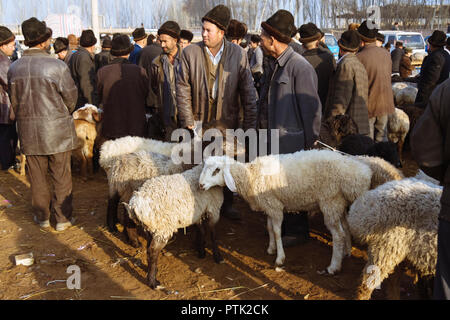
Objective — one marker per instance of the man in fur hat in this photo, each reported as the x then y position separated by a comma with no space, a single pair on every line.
294,107
140,41
210,102
8,135
236,31
82,68
61,47
378,65
43,95
104,57
185,38
164,69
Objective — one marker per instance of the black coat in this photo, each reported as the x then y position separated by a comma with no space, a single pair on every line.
396,57
102,59
148,54
435,70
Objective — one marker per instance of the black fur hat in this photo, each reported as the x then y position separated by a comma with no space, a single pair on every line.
107,42
350,41
438,38
187,35
309,33
87,39
280,26
35,32
6,36
170,28
60,44
220,16
121,45
139,34
236,30
366,34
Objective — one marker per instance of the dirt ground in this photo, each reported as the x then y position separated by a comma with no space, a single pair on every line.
112,270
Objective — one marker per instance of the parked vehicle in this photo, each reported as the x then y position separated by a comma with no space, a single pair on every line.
413,40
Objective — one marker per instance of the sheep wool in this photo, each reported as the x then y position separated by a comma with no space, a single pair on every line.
382,171
304,181
398,221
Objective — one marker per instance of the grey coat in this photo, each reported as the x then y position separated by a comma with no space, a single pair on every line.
290,103
43,95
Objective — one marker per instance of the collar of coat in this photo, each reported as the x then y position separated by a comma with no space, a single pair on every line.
120,60
35,52
284,57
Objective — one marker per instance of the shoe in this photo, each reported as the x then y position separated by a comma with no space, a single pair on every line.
231,214
42,224
292,241
65,225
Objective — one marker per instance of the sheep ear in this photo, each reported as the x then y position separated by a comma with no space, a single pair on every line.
229,181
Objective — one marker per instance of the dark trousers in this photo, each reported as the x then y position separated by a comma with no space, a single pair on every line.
8,145
59,200
442,278
295,225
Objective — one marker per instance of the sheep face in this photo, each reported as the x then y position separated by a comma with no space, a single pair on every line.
216,172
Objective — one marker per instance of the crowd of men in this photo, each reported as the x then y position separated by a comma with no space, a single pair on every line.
274,83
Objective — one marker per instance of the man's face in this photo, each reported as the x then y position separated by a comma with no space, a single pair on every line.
254,45
62,55
267,43
168,43
212,35
379,43
9,48
184,43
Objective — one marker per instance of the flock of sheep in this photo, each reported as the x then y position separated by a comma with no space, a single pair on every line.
361,197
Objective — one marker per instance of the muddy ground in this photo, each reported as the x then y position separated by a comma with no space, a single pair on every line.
112,270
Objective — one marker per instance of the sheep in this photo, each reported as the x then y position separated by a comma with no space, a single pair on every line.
418,57
398,221
87,121
382,171
305,181
334,129
406,96
360,145
126,174
396,87
167,203
398,128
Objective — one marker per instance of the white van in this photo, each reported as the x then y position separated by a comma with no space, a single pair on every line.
413,40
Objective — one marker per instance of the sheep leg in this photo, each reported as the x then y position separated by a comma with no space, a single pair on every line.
400,148
154,247
111,214
130,231
23,161
84,164
201,240
212,229
348,237
272,247
277,220
393,285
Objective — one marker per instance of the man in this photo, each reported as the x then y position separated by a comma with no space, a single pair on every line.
8,135
396,57
406,68
395,27
294,107
104,58
349,89
61,47
256,58
148,54
150,39
43,94
203,97
185,38
162,77
321,60
431,150
435,68
378,65
82,68
73,43
140,40
236,32
123,89
380,39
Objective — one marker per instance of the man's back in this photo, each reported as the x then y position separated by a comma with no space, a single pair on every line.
82,68
396,57
148,54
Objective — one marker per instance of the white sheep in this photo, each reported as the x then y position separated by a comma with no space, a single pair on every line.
397,86
304,181
398,221
167,203
398,128
406,96
382,171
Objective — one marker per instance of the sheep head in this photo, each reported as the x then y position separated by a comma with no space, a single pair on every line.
216,172
89,113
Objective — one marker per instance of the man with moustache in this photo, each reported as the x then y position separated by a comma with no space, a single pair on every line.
214,82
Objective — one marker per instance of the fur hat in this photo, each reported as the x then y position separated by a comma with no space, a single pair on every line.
139,34
236,30
35,32
220,16
309,33
408,50
381,37
107,42
437,39
170,28
61,44
6,36
366,34
280,26
187,35
121,45
350,41
87,39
